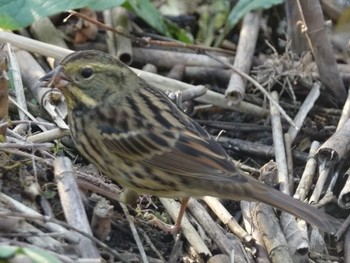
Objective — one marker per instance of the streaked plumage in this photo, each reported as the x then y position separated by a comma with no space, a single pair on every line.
137,136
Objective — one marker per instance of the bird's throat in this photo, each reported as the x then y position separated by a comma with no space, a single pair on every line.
74,95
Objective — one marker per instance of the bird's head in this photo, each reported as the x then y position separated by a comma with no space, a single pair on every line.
89,77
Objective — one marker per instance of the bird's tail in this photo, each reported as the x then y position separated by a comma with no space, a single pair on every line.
279,200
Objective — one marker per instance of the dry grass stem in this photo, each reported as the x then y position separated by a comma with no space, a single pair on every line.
235,90
73,206
188,230
308,174
280,152
228,219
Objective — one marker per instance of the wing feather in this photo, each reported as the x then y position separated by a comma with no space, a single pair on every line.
185,154
183,148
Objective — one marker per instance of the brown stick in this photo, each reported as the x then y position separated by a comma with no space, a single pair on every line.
243,60
321,48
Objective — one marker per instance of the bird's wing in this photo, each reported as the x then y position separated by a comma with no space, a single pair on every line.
188,152
163,137
136,145
195,157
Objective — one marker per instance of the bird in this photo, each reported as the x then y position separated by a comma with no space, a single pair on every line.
134,134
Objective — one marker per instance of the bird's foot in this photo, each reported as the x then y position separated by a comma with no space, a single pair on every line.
167,228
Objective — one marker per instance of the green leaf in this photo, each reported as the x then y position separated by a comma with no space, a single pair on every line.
35,254
49,194
15,14
7,251
179,33
147,11
184,36
40,256
212,18
242,8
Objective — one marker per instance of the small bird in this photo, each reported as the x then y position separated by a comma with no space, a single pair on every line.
134,134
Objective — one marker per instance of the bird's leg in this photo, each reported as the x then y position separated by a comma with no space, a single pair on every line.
172,229
177,226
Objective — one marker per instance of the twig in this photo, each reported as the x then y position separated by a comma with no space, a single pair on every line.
72,204
27,155
45,124
210,97
308,174
213,230
27,113
134,233
150,243
50,135
244,56
46,219
279,148
261,89
16,76
32,146
147,41
188,230
305,108
228,219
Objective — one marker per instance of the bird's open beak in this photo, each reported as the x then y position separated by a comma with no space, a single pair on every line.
56,78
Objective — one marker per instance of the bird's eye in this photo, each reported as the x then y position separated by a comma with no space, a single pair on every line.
86,72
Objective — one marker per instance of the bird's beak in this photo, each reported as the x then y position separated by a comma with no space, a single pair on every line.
56,78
